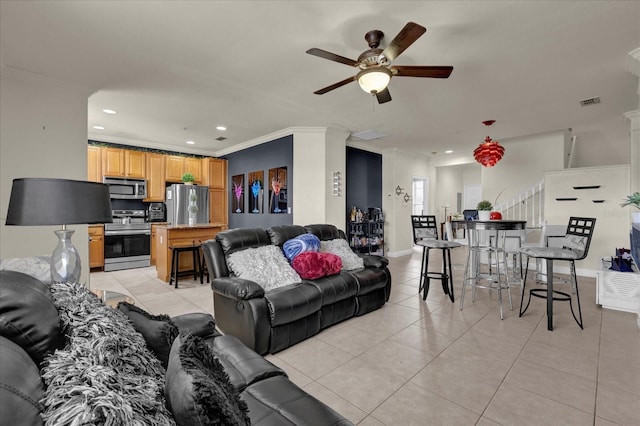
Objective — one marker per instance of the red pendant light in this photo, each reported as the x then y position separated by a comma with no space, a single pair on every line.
489,152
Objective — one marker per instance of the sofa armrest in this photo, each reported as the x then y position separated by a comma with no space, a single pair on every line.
374,261
201,324
237,288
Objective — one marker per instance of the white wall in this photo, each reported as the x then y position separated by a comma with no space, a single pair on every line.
398,169
612,221
525,161
43,133
317,153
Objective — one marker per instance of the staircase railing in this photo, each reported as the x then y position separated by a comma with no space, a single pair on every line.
527,205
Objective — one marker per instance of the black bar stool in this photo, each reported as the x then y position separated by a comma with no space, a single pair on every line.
425,234
575,246
446,276
176,249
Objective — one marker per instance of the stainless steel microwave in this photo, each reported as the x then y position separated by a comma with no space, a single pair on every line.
127,188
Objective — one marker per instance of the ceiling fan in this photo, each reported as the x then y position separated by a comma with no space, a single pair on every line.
374,67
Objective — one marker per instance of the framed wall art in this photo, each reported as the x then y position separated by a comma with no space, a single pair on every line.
255,191
238,194
278,190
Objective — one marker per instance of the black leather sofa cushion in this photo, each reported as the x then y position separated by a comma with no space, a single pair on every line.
369,280
237,288
20,386
335,287
201,324
280,234
243,365
337,312
292,302
278,402
374,261
233,240
325,232
294,332
28,315
370,301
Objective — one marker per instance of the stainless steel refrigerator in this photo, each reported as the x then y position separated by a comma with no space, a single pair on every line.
177,202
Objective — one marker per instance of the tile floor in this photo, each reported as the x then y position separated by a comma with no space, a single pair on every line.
416,363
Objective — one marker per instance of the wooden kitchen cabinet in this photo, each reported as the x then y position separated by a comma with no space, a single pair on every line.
120,162
94,164
216,176
193,166
174,166
154,249
156,180
177,165
112,161
96,246
135,164
218,206
167,235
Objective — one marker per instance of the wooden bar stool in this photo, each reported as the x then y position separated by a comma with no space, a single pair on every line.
176,249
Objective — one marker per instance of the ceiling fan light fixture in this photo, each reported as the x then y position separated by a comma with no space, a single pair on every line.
374,80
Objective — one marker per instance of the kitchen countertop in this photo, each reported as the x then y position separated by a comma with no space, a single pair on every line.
197,226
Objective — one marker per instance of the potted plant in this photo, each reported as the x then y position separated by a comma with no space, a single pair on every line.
484,209
188,179
633,200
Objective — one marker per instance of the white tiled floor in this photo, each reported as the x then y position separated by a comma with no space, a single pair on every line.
416,362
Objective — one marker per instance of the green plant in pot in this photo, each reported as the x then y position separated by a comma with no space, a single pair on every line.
484,210
633,200
188,178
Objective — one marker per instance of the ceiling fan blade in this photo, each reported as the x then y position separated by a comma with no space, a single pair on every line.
331,56
433,71
383,96
335,85
405,38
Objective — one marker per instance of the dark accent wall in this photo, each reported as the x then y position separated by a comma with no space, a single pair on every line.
269,155
363,180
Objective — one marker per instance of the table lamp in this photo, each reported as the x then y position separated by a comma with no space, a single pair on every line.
44,201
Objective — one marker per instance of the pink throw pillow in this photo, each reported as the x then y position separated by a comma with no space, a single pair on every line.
311,265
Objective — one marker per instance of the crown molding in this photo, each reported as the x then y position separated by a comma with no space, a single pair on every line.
100,137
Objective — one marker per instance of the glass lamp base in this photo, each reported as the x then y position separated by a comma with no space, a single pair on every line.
65,260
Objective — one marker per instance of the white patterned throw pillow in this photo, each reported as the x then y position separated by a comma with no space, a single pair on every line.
265,265
340,247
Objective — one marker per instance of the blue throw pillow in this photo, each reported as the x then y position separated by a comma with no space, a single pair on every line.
299,244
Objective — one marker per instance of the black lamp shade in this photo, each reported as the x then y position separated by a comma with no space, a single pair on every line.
43,201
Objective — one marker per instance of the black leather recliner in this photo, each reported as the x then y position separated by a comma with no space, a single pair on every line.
271,321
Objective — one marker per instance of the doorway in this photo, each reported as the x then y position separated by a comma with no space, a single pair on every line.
420,196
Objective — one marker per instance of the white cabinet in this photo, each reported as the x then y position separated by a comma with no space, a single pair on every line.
618,290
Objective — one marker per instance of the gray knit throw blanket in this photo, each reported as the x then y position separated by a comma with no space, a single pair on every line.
105,375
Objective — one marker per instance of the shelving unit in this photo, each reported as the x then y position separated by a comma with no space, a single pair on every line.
367,237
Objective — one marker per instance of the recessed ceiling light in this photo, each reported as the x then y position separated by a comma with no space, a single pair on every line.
108,111
449,151
221,128
98,127
191,142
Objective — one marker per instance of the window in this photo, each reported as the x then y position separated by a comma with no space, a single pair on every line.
420,197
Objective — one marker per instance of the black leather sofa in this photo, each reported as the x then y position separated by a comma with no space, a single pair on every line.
270,321
31,330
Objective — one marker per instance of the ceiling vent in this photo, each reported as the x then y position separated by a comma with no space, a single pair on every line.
368,135
590,101
221,138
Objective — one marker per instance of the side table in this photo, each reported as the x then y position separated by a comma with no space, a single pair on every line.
111,298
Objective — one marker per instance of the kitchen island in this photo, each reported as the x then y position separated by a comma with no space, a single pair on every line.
167,235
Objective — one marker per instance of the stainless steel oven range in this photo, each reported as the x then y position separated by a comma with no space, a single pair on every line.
127,241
